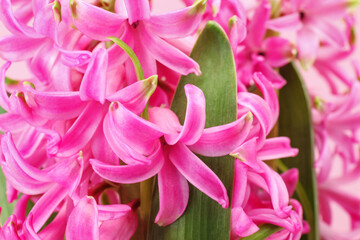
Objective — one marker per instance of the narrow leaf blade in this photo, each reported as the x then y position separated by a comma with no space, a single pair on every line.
204,218
295,122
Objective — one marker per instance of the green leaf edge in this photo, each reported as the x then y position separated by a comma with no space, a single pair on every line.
289,72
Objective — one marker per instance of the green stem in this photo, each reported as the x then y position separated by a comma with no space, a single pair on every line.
133,57
146,187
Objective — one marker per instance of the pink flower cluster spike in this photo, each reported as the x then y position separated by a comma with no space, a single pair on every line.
82,126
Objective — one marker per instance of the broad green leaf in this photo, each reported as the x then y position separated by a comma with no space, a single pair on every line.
204,218
295,122
265,231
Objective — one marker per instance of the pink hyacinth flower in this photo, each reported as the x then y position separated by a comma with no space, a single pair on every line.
146,33
166,143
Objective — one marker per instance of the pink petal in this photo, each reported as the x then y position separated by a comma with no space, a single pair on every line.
194,119
278,51
114,211
146,59
284,23
257,27
173,194
198,173
277,147
269,94
68,172
75,58
137,10
135,96
278,191
101,149
15,48
180,23
12,24
93,84
83,221
291,178
46,205
4,98
222,140
11,122
44,20
267,215
56,105
90,20
124,227
328,10
350,202
248,155
125,126
237,31
28,229
9,229
19,105
168,55
165,119
16,161
260,109
61,77
242,225
307,44
82,130
121,149
23,183
42,63
274,77
240,184
130,173
331,33
56,229
20,207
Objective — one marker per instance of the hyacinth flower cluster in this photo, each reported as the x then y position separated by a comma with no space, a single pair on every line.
93,117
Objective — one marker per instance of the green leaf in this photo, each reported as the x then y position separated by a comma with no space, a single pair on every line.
265,231
6,208
295,122
2,110
204,218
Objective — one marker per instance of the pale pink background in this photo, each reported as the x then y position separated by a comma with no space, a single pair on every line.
19,70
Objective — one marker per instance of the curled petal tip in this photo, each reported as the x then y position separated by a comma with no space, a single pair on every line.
197,71
249,117
113,106
57,11
150,85
215,10
232,21
199,6
27,83
6,65
224,202
73,4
